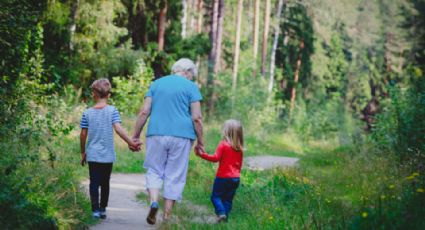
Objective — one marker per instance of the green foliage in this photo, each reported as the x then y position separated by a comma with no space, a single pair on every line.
128,93
401,126
32,126
298,46
251,100
18,23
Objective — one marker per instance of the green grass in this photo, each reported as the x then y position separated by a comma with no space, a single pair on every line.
333,188
128,161
275,145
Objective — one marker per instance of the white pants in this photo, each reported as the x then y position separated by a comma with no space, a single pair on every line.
167,160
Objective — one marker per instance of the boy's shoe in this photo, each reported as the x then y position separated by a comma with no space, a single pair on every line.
151,219
96,214
221,218
102,213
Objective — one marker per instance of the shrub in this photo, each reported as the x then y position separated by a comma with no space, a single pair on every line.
128,92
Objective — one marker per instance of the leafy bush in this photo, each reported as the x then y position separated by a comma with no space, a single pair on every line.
400,127
39,186
128,92
251,100
399,132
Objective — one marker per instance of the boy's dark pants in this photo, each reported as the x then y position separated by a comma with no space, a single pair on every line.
224,190
100,174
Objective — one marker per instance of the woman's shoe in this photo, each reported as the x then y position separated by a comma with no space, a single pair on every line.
151,219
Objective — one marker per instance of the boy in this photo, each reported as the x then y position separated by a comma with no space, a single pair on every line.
97,123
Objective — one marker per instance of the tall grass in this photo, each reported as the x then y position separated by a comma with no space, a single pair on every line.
333,188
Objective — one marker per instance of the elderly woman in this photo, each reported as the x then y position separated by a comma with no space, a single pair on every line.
173,104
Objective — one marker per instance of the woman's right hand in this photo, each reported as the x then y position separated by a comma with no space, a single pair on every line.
136,144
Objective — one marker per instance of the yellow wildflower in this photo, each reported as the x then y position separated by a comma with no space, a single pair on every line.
391,186
411,177
364,214
270,217
421,190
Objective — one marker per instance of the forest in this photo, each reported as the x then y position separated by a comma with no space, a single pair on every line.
339,84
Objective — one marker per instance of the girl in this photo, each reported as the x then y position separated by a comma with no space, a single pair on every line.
229,153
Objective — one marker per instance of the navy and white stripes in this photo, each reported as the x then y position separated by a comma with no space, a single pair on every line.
99,122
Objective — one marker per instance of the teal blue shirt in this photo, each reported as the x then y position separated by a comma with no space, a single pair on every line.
170,111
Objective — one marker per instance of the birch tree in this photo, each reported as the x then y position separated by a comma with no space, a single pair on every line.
265,37
276,39
200,7
184,18
237,44
255,35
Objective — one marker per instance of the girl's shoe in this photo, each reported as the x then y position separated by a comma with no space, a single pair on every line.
96,214
221,218
151,219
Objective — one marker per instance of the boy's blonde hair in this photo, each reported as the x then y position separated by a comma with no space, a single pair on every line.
101,87
233,134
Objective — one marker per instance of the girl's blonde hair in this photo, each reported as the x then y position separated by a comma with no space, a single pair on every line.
233,134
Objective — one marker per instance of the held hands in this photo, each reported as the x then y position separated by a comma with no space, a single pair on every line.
199,149
135,144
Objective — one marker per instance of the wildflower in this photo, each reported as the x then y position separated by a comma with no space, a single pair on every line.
270,217
391,186
421,190
364,214
411,177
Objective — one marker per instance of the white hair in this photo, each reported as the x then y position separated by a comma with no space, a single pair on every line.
185,65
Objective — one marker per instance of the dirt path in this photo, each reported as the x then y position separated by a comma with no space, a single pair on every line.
125,212
267,162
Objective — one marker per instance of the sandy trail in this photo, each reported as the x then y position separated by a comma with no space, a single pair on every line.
124,211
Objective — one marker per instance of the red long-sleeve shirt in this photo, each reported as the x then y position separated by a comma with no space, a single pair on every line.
230,160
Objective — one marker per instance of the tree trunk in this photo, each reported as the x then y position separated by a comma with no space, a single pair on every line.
218,41
200,7
72,24
161,24
212,56
184,18
265,37
276,38
237,44
191,9
138,25
255,35
213,34
296,76
219,38
283,81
